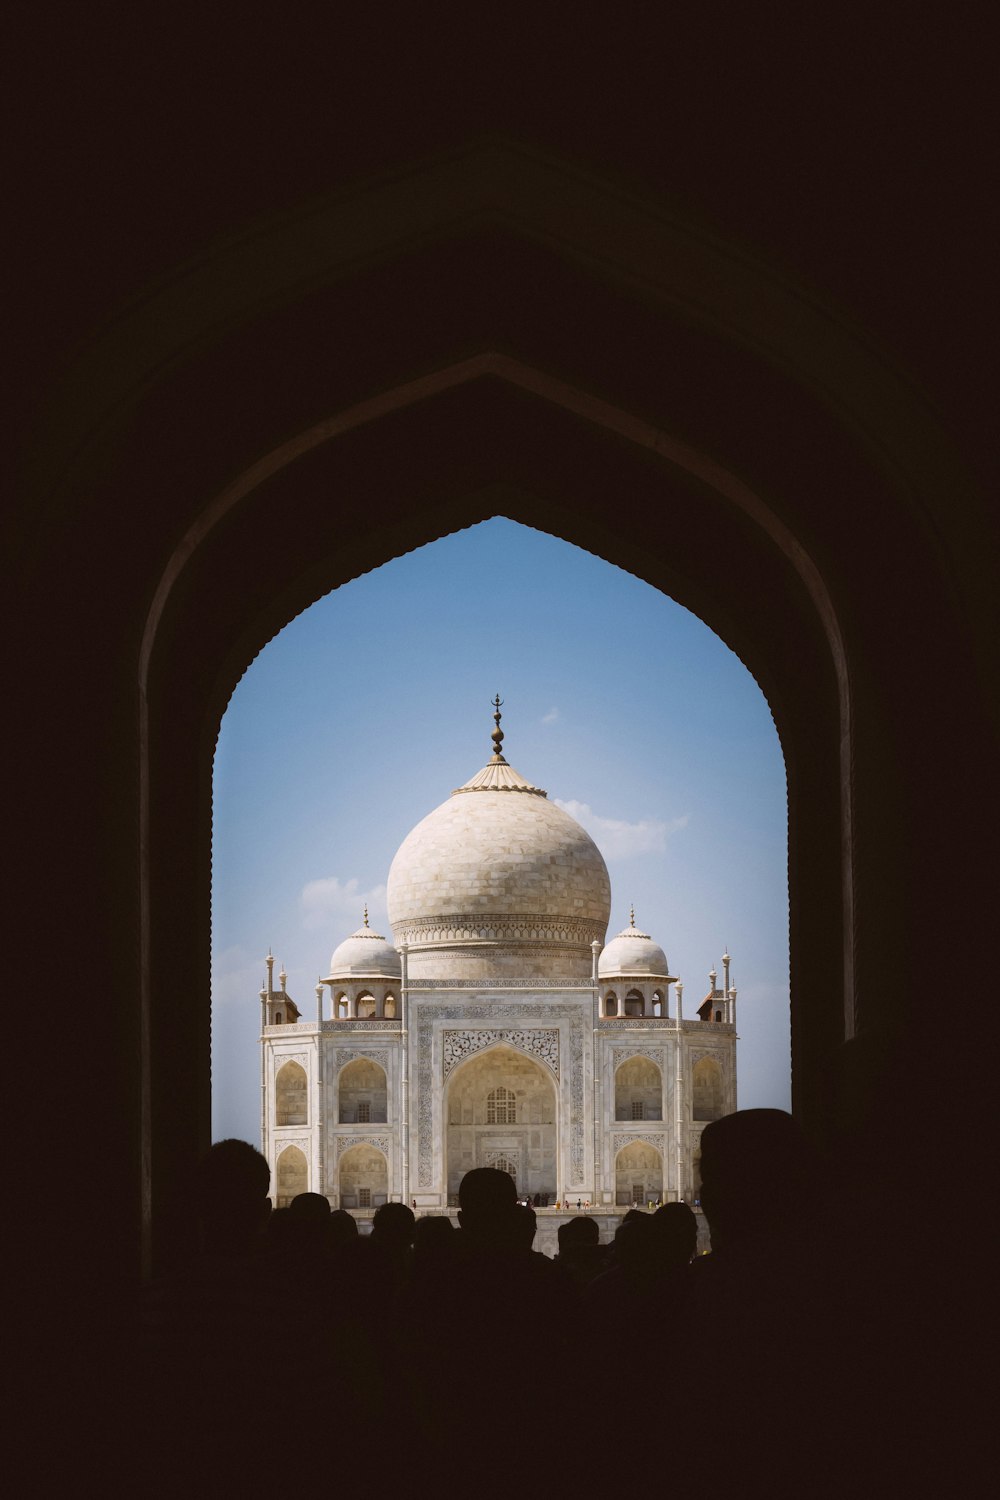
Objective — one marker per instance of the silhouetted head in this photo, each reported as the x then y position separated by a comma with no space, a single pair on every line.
757,1173
432,1231
342,1227
676,1230
310,1208
230,1190
527,1223
580,1231
634,1238
393,1224
488,1200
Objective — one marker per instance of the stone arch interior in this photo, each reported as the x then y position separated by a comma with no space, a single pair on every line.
706,1089
638,1174
292,1175
501,1105
363,1093
634,1003
638,1090
291,1095
363,1177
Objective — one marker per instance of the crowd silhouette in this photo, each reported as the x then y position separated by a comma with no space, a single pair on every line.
288,1349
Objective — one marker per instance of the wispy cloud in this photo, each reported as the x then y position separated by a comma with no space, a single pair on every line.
551,716
236,975
617,839
337,904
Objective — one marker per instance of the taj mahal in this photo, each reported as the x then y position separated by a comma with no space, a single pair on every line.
497,1028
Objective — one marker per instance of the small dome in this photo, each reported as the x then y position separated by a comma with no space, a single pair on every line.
365,953
632,952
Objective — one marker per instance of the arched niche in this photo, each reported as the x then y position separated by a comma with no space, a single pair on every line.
367,1006
634,1003
707,1100
363,1094
292,1175
501,1105
363,1177
291,1095
638,1174
611,1003
638,1090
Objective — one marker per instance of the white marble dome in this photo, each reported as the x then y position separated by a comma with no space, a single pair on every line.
632,953
499,881
365,953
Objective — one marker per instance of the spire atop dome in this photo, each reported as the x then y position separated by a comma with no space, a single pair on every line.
497,735
366,913
497,775
631,914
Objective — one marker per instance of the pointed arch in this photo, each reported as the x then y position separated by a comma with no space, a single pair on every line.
291,1095
639,1089
292,1175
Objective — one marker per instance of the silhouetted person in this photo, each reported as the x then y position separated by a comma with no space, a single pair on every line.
390,1244
581,1255
393,1224
675,1228
219,1327
313,1208
763,1308
343,1227
467,1350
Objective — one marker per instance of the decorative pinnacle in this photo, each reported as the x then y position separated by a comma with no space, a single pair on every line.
631,915
366,913
497,735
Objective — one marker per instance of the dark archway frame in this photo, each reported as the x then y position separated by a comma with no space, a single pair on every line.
810,709
542,349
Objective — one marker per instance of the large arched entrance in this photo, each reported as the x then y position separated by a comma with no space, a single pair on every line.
500,434
502,1112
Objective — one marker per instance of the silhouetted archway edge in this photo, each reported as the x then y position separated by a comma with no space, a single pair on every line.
226,509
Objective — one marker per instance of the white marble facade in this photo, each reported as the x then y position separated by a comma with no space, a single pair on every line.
498,1030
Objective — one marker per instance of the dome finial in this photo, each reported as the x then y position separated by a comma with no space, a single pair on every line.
631,914
366,913
497,735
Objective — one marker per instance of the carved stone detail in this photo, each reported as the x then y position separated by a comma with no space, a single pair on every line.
510,1153
345,1142
620,1054
459,1045
618,1142
636,1023
369,1023
378,1055
502,983
302,1058
281,1143
509,930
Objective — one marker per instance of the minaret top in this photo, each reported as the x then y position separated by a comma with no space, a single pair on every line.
497,735
497,775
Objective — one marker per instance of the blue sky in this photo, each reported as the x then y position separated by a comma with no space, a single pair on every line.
368,708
